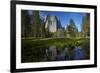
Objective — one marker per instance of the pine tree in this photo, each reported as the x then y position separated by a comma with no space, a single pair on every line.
25,24
86,26
72,29
42,29
35,24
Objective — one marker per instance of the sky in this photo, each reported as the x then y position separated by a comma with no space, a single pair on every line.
65,17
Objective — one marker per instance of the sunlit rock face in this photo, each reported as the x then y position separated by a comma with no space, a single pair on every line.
52,23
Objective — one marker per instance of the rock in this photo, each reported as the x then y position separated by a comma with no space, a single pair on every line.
52,23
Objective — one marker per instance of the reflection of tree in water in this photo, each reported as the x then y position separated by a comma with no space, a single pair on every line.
78,54
53,54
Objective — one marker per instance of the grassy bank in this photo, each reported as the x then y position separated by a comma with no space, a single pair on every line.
36,43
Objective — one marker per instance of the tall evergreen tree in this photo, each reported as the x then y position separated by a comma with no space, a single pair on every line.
42,29
35,24
25,24
86,26
72,29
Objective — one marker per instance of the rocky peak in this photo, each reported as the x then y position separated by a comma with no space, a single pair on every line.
52,23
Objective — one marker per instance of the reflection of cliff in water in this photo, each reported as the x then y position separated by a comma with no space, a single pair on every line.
54,53
61,54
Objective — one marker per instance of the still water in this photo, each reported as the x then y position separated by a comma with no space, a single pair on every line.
54,54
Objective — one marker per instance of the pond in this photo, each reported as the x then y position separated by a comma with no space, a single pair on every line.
59,49
53,53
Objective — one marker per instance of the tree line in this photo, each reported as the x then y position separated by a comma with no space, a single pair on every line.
33,26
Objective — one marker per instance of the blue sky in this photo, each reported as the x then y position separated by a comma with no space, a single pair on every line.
65,17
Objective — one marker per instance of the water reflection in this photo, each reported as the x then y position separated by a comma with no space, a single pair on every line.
51,53
54,53
61,54
78,54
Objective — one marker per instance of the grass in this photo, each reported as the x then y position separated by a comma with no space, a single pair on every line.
55,41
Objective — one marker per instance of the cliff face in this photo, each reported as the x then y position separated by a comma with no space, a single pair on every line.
52,23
